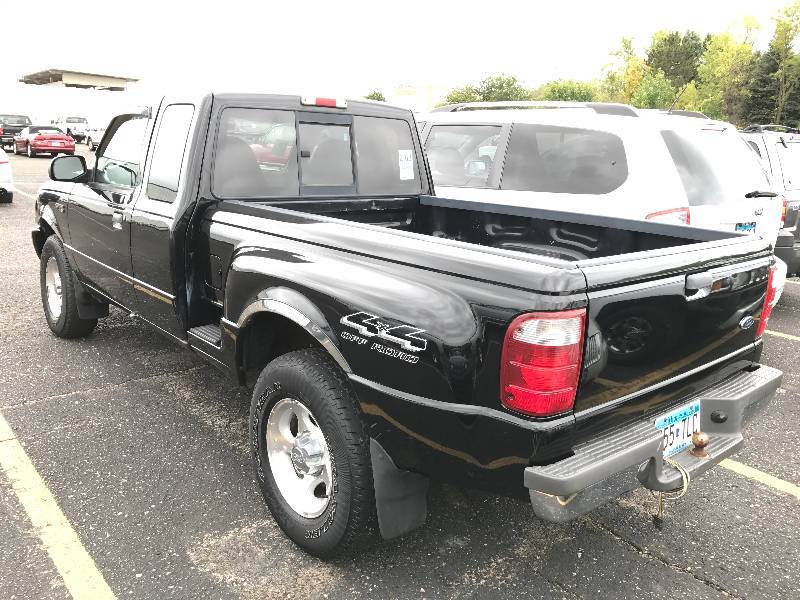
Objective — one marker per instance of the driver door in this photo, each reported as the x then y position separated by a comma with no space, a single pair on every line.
100,210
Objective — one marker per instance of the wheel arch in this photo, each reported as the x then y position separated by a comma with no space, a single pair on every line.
280,320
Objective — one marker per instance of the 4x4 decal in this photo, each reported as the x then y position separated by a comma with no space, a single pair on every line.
370,325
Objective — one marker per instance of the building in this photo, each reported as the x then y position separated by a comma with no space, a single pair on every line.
77,79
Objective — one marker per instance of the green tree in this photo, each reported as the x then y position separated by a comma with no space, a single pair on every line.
654,91
775,76
676,55
723,76
376,94
568,90
624,75
494,88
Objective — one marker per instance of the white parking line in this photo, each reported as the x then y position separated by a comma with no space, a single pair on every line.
787,336
761,477
77,569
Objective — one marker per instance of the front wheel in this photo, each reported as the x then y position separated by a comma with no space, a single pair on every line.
57,281
311,454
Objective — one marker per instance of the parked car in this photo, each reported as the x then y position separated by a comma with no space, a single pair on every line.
603,159
10,126
43,139
6,179
778,148
393,336
75,127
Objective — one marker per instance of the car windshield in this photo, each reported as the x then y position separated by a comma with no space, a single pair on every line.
789,155
76,120
48,129
715,165
14,120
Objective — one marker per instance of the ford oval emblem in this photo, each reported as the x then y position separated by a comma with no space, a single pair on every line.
747,322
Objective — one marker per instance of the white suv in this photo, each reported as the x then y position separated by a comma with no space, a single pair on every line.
603,159
75,127
778,148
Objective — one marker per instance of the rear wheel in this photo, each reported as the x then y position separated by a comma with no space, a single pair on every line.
90,143
31,153
311,454
58,287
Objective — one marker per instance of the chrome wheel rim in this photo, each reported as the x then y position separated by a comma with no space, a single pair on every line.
299,458
52,281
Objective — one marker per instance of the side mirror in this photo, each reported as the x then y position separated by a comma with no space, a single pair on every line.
476,168
68,168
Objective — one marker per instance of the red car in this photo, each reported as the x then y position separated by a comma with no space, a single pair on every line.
46,139
275,147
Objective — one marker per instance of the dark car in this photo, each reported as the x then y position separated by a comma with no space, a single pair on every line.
393,336
43,139
11,125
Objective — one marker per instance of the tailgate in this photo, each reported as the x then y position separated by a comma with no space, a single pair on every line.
660,316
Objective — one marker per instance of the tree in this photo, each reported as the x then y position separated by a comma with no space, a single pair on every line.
722,77
624,75
376,94
676,55
776,75
494,88
654,91
568,90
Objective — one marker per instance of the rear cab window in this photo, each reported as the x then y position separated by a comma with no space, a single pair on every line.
566,160
265,153
714,165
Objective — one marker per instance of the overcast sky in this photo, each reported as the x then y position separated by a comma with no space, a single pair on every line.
346,48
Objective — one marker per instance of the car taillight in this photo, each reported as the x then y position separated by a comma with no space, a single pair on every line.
784,210
770,300
680,216
541,362
1,130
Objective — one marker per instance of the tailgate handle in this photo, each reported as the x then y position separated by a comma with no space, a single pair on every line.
698,285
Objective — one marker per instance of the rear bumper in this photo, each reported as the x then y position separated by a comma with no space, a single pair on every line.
630,456
46,149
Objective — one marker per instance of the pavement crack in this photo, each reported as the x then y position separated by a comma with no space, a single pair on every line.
114,386
646,554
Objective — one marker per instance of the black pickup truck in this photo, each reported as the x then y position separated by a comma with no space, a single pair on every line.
11,125
394,336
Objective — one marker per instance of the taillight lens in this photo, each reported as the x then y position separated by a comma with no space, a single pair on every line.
770,300
1,130
784,210
541,362
679,216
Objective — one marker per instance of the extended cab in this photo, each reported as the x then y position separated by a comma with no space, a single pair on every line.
393,336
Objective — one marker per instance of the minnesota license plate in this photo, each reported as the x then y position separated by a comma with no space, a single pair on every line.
746,227
678,427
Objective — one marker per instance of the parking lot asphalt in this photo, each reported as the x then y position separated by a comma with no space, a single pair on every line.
142,447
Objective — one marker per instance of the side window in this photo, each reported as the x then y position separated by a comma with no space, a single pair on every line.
755,148
170,146
565,160
387,163
119,164
255,155
325,156
462,155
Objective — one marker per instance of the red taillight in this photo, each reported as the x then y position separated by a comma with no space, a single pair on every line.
681,216
769,302
541,362
1,130
328,102
784,210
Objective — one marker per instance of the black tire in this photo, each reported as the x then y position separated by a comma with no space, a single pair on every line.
67,324
90,143
53,154
349,522
30,152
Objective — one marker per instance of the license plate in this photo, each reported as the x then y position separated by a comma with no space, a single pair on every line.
58,143
746,227
678,427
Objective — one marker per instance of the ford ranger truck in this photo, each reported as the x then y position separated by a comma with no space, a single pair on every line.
391,336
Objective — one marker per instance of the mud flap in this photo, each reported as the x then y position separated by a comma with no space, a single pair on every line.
89,307
401,496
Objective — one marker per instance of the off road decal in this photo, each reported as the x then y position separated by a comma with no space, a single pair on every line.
368,325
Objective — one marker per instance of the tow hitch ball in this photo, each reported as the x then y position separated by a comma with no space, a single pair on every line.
700,439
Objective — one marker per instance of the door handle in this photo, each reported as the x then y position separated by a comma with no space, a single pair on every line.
61,207
116,220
